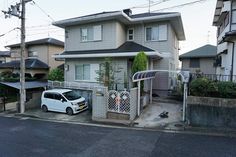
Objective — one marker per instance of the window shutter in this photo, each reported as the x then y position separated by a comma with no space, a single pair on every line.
94,70
162,32
97,32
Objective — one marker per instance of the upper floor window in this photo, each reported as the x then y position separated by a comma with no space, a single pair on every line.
33,54
194,63
156,33
93,33
130,34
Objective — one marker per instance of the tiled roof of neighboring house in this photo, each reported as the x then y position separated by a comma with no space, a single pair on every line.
29,64
126,47
5,53
49,41
201,52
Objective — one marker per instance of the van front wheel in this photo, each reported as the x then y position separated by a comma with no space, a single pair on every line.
69,111
44,108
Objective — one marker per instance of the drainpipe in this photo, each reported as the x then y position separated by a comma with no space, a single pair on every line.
232,62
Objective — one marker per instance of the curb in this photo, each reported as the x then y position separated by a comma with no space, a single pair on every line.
180,130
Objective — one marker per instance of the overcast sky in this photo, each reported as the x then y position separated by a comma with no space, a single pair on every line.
197,18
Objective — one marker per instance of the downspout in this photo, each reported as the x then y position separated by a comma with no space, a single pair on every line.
232,62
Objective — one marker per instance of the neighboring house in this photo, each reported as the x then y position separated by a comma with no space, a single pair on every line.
41,49
121,35
5,56
34,68
201,60
225,21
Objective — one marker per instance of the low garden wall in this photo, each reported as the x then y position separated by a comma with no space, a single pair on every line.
210,111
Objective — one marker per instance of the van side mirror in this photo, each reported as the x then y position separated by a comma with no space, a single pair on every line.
63,100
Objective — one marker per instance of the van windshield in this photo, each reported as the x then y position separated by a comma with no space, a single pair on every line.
71,95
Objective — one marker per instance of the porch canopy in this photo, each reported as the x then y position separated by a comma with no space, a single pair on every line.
28,85
151,74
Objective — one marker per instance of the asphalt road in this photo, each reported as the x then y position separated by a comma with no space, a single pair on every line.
32,138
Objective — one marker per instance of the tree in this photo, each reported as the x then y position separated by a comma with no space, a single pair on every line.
140,64
106,73
56,75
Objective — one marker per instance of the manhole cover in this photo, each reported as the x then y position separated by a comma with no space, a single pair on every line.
178,125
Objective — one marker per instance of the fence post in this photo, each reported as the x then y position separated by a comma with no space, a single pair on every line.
185,101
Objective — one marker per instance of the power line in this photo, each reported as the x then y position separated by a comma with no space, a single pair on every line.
43,11
151,5
181,5
9,31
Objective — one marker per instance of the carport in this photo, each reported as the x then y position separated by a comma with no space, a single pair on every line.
151,74
33,91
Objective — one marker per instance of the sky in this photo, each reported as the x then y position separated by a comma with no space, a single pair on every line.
197,18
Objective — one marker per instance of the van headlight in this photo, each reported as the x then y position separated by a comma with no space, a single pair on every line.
74,103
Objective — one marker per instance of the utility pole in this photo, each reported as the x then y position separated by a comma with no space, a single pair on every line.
14,10
22,59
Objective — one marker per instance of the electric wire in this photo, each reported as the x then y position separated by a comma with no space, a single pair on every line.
43,10
180,6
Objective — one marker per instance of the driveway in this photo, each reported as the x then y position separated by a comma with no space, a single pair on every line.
83,117
150,118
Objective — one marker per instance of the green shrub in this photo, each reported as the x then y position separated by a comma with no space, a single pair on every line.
227,89
207,88
140,64
203,87
56,75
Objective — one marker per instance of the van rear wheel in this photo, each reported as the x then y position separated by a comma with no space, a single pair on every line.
44,108
69,111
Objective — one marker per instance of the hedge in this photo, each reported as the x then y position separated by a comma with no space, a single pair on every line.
208,88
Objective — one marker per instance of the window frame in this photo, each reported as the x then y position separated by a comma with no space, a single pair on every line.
128,34
83,65
91,29
194,65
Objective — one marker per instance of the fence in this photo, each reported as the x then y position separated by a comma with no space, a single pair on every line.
214,77
73,85
121,103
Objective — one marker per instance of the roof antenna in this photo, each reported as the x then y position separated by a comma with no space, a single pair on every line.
149,5
208,37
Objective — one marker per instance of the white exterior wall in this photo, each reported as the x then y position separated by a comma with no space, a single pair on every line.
113,35
118,62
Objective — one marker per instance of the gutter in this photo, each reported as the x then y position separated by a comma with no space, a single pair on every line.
101,55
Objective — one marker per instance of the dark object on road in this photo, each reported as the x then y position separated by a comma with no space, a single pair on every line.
164,114
155,95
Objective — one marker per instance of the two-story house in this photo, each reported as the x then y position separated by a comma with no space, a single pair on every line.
200,60
225,21
121,35
38,55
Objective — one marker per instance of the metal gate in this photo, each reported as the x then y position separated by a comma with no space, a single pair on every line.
119,102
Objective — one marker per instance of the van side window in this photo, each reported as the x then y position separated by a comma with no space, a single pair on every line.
58,97
48,95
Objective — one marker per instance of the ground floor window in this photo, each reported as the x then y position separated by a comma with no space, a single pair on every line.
86,72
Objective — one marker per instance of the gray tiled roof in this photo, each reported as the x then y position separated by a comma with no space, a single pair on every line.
49,41
128,46
201,52
29,64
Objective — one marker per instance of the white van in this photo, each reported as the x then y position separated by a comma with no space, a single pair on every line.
63,100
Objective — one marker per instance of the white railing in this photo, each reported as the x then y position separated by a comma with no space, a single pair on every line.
73,85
